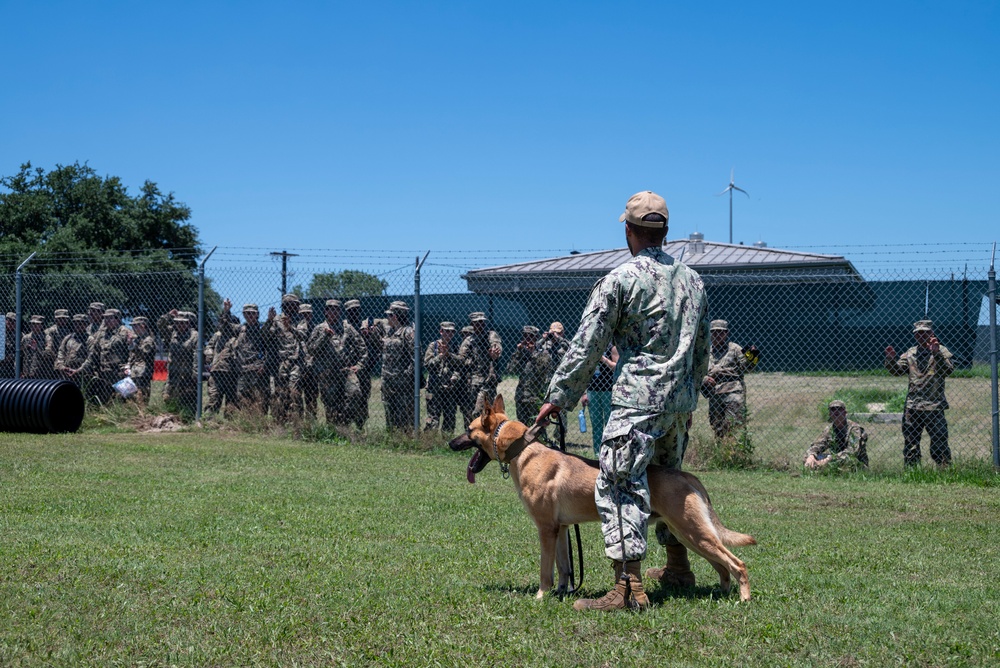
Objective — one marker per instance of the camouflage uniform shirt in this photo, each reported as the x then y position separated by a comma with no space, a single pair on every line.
654,309
727,366
927,372
842,445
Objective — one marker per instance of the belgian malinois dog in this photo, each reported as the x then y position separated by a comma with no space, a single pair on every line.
557,490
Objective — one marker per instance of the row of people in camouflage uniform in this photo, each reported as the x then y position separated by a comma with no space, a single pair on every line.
93,349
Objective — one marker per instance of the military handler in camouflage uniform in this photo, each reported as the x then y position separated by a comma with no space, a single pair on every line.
843,442
142,358
723,386
479,353
444,379
927,364
397,368
340,358
533,367
655,311
253,389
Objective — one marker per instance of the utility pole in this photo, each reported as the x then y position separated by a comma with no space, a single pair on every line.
284,269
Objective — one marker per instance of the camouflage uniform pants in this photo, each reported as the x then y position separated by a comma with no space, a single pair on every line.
287,399
222,385
309,387
397,396
914,424
633,440
441,407
182,394
527,410
359,403
726,412
253,391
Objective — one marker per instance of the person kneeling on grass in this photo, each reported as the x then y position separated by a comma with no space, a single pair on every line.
843,442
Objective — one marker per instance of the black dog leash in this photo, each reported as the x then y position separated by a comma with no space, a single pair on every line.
574,586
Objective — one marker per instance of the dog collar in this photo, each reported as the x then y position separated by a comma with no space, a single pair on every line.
504,468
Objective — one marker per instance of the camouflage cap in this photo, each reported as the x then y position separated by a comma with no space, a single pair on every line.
140,320
556,327
398,307
181,318
477,316
112,313
250,307
352,303
305,308
530,329
468,330
642,204
448,325
837,403
37,320
193,317
81,317
721,325
11,315
290,298
61,313
96,306
334,303
923,326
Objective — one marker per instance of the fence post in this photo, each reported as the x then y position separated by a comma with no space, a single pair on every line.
201,331
18,309
417,359
993,357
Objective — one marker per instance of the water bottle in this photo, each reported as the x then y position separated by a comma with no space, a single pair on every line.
583,422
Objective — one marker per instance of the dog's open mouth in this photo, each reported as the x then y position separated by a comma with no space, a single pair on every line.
478,462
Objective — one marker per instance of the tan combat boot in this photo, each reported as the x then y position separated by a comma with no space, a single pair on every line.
622,597
677,572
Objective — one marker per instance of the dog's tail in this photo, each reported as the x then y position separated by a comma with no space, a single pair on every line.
734,538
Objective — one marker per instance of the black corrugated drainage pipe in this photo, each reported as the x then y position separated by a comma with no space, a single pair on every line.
40,406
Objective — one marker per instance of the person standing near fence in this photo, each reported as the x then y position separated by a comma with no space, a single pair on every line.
95,312
724,386
287,399
33,350
253,389
308,383
10,346
142,358
533,367
655,310
597,398
181,391
107,359
340,357
54,336
223,377
397,368
480,353
444,377
373,353
73,348
927,364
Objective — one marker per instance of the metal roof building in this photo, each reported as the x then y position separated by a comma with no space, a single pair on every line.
715,262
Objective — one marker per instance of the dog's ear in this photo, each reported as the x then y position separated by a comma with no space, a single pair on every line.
487,410
498,406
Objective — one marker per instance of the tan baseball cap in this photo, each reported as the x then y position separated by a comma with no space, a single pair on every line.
837,403
642,204
250,307
530,329
476,316
448,325
290,298
352,303
61,313
923,326
305,308
556,327
333,303
719,325
80,317
138,320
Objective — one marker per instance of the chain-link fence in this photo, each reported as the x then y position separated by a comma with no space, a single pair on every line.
821,328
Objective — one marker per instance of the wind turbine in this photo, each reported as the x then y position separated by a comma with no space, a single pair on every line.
730,188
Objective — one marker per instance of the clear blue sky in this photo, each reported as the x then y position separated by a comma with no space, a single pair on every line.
445,126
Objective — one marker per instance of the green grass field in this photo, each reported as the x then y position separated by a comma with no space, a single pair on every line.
212,548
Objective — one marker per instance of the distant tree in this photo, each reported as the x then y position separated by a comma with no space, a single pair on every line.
95,242
347,284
